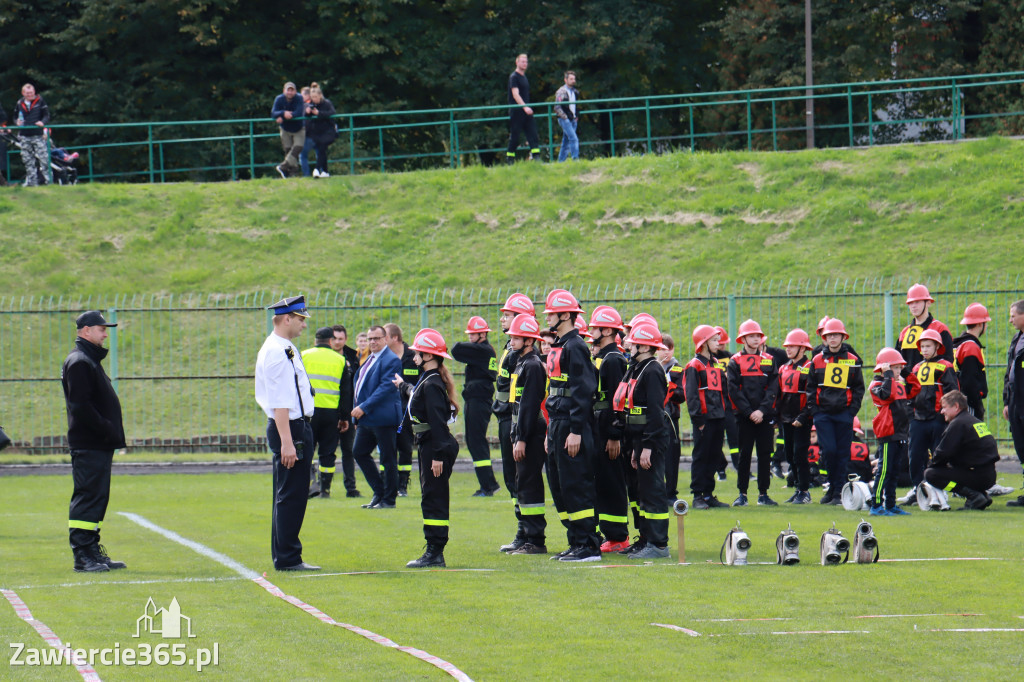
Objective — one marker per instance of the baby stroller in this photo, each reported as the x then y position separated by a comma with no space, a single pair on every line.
62,163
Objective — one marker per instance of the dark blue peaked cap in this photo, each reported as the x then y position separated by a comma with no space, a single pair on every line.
291,304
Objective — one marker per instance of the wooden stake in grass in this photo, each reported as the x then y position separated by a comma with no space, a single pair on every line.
680,508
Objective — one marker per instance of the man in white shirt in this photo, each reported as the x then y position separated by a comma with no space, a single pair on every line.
284,393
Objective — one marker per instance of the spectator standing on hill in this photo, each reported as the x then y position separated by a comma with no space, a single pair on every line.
95,430
320,128
520,114
348,434
307,146
481,370
287,111
284,393
1013,387
568,118
32,117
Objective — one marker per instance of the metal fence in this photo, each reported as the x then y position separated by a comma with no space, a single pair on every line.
182,365
846,114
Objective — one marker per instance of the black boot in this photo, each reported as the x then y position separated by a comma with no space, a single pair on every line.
86,562
325,485
314,482
975,499
433,556
99,552
403,483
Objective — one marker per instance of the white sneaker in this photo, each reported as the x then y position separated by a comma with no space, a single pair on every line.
324,174
999,490
316,172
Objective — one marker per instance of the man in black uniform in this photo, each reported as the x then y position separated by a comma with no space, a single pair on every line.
570,445
1013,387
95,430
348,432
529,429
516,304
609,471
477,392
964,461
520,115
411,375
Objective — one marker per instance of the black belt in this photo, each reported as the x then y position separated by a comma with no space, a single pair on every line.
501,396
292,421
602,405
560,392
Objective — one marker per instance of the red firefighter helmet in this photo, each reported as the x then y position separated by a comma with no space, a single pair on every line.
477,325
430,341
975,313
821,324
702,334
581,326
561,301
517,304
748,327
919,292
932,335
525,325
834,326
857,428
642,317
798,337
646,334
888,355
723,336
606,317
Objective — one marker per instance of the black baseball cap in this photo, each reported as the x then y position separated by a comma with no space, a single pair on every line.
93,318
324,333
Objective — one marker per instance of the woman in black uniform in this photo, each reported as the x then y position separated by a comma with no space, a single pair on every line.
432,404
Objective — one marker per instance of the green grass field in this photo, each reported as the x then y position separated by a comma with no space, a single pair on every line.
522,618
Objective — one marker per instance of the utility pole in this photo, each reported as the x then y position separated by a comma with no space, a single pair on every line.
809,77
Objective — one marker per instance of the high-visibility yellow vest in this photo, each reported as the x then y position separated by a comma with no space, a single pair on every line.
324,367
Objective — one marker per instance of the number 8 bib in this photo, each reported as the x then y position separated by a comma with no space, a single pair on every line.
836,376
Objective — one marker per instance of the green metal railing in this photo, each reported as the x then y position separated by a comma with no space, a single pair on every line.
182,365
846,114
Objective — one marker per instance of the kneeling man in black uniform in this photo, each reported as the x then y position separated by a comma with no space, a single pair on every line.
964,461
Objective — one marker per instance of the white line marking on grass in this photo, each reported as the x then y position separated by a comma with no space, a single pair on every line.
197,547
411,570
974,630
920,615
373,637
101,583
951,558
48,635
295,601
733,620
669,626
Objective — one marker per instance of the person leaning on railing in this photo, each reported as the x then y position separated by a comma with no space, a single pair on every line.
287,111
32,117
320,127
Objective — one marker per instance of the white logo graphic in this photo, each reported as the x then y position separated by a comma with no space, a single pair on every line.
478,325
163,622
604,317
528,326
520,303
562,301
426,341
643,334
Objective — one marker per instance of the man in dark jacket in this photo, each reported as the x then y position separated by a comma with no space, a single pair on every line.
964,461
288,111
95,430
348,433
1013,387
32,116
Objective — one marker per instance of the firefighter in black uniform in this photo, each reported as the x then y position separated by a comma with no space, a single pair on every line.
927,382
477,392
529,430
570,444
431,403
704,386
964,462
732,435
95,430
640,405
753,380
919,301
411,374
794,417
969,359
609,474
516,304
676,397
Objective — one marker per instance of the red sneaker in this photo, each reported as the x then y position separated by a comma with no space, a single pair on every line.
612,546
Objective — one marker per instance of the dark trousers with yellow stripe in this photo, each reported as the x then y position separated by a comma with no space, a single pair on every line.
508,466
890,456
90,470
519,123
653,498
960,480
434,491
573,478
325,437
629,474
403,443
612,500
530,487
797,439
672,459
477,415
732,439
707,450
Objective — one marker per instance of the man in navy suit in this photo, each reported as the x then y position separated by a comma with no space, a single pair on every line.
378,414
